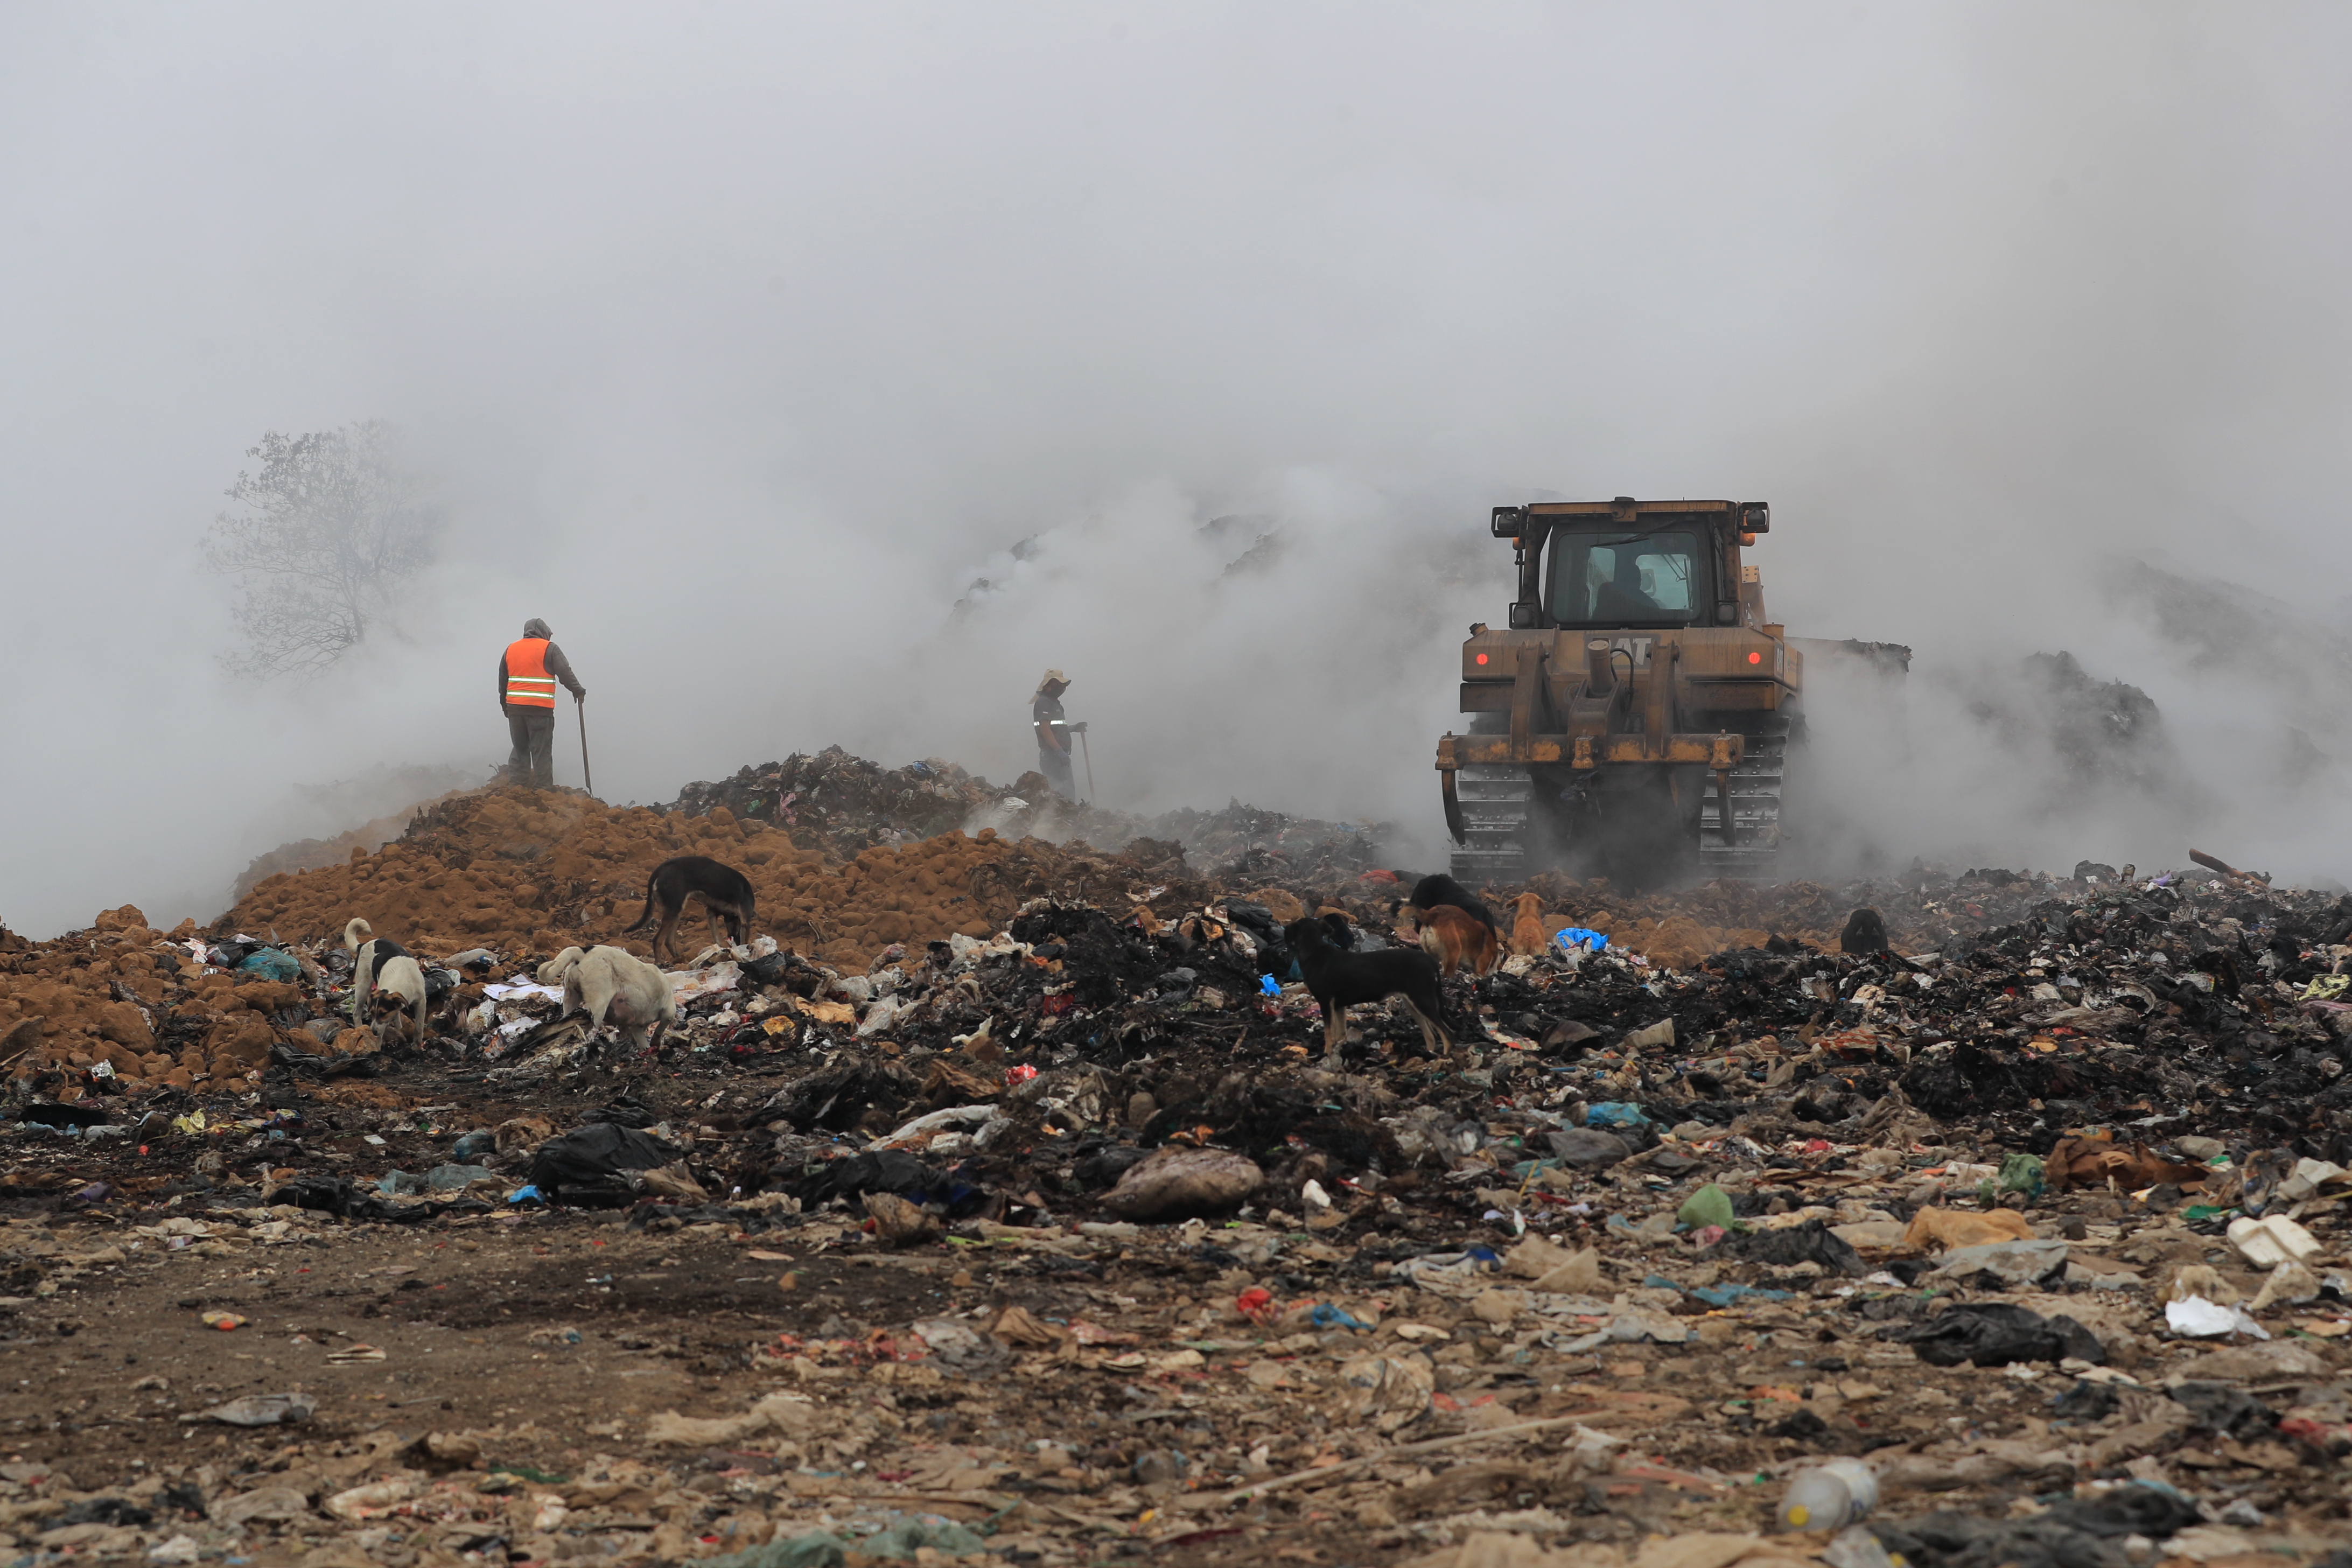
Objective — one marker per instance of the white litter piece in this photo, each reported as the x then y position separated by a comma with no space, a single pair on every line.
953,1116
2306,1181
2200,1319
708,981
2267,1242
500,993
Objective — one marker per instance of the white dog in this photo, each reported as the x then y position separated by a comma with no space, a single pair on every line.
367,957
402,977
553,971
611,984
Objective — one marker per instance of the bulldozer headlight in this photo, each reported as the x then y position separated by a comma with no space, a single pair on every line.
1755,658
1510,521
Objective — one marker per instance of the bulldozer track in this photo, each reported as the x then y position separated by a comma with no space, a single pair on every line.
1497,802
1751,851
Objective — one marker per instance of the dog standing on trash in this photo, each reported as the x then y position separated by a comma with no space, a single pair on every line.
368,956
1442,891
401,978
1528,934
726,893
1339,980
613,984
1454,940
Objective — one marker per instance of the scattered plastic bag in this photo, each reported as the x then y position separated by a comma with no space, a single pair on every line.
261,1410
271,963
595,1157
1999,1333
1708,1205
2200,1319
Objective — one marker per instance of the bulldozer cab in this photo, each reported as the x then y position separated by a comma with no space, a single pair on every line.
1606,578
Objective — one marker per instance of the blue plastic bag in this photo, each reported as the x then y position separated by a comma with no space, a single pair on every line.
270,963
1268,985
1615,1113
1571,938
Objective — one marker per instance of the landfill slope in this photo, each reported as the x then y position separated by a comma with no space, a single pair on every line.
1038,1225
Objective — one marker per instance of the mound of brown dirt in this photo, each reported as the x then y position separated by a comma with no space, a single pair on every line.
111,996
530,871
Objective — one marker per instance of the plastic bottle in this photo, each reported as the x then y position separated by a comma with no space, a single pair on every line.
1829,1496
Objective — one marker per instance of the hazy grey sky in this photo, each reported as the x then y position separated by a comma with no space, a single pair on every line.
744,337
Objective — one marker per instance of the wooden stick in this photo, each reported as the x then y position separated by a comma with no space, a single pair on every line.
1428,1445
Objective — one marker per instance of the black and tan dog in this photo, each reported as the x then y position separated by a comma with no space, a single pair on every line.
726,893
1442,891
1339,980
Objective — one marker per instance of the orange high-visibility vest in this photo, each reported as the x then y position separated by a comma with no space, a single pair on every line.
528,683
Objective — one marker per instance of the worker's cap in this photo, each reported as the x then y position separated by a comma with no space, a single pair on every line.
535,627
1053,678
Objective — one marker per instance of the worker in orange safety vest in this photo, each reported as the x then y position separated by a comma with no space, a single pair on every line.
527,672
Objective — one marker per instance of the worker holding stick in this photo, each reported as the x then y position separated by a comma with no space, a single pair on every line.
1054,734
527,672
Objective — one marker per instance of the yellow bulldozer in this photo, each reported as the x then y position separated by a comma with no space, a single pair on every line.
1636,719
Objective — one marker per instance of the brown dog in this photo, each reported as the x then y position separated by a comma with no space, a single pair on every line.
1454,939
1528,934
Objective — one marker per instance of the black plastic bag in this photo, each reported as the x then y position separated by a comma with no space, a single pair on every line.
627,1110
2226,1408
2073,1533
595,1155
1995,1333
1103,1166
1274,954
2085,1402
886,1171
2126,1510
1812,1242
337,1195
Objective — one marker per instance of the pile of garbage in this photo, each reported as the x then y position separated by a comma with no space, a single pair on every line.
1006,1201
839,805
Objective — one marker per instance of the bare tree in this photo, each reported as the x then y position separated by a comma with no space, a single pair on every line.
326,536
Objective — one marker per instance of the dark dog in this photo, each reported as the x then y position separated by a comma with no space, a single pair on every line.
725,893
367,958
1431,892
1864,933
1339,980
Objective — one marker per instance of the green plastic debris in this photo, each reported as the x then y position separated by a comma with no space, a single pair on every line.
1708,1205
905,1536
2021,1173
2206,1211
911,1534
531,1473
814,1550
